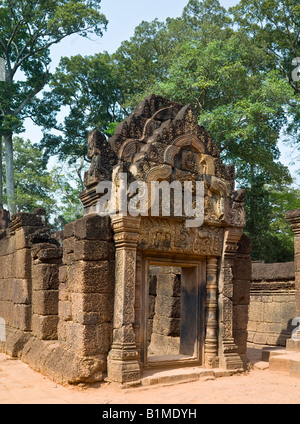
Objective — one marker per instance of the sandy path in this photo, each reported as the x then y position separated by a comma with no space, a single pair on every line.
21,385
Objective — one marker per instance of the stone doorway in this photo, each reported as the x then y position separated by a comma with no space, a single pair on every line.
173,325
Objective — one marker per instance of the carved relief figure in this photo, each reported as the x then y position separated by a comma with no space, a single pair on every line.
102,159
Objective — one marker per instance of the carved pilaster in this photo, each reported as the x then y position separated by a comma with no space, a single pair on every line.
211,340
229,358
123,365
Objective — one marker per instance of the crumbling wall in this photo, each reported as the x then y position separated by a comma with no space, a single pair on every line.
87,289
56,305
272,304
26,246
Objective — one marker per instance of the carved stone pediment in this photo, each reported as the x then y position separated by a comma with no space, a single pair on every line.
162,141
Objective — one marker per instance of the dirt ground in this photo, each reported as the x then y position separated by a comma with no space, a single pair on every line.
19,384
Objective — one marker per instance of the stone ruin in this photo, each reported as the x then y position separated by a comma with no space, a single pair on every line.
124,293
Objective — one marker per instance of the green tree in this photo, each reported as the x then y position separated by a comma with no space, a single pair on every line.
201,58
33,182
274,26
28,30
67,185
89,87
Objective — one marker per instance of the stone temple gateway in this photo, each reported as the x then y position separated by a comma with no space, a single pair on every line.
129,293
162,141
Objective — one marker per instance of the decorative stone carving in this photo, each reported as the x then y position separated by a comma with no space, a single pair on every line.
211,338
123,365
161,141
228,356
102,159
167,235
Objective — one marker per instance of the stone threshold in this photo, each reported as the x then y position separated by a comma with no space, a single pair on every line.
169,377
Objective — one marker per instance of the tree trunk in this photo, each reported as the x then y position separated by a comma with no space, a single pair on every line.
1,171
10,180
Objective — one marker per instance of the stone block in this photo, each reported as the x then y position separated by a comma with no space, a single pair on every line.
69,246
22,237
65,310
88,318
23,264
7,289
45,277
260,338
63,292
88,340
166,326
63,274
50,254
22,317
240,339
7,312
164,345
91,277
91,302
45,302
169,285
256,311
241,292
240,317
69,230
169,307
93,250
242,269
45,327
93,227
21,292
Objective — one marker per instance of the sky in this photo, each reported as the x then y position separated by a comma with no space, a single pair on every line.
124,17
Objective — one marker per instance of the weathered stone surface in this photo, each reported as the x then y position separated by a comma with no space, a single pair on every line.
91,277
22,317
45,302
93,250
45,277
93,227
273,272
45,327
167,326
21,292
169,285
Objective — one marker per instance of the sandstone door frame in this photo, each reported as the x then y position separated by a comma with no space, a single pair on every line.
194,280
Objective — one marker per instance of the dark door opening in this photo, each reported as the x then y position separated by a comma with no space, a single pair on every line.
175,311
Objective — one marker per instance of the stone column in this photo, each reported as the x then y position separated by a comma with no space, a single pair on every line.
211,339
123,362
228,350
293,217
